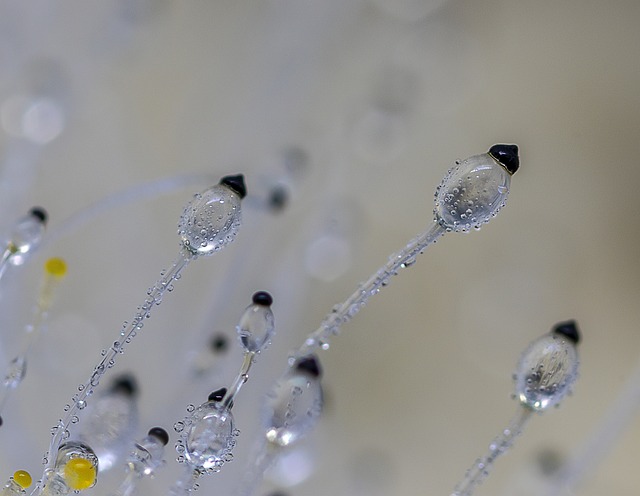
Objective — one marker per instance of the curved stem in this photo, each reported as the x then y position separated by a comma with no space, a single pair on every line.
482,466
345,311
128,332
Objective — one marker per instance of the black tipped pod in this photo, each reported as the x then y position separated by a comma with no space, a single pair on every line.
160,434
310,365
236,184
40,214
507,156
125,384
217,395
568,329
262,298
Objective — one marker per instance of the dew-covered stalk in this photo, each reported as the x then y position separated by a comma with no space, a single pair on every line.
482,466
208,223
345,311
470,195
546,372
128,332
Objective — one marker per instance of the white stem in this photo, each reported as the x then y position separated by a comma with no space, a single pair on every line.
266,456
241,378
482,466
128,332
344,312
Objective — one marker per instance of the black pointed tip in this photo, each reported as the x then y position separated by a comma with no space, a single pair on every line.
262,298
568,329
40,214
160,434
507,156
309,364
217,395
236,184
125,384
219,343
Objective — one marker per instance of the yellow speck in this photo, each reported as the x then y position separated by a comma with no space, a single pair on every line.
79,474
56,267
22,478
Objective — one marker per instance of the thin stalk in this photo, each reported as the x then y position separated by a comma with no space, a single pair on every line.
345,311
482,466
241,378
128,332
266,457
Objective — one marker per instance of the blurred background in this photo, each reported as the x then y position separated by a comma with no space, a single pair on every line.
343,116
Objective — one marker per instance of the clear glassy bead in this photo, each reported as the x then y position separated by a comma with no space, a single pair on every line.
472,193
294,405
211,220
546,372
210,437
110,424
256,328
27,234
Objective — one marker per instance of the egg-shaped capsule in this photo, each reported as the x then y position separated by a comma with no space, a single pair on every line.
76,469
20,481
476,189
210,436
548,368
147,454
111,421
212,219
256,327
27,234
294,406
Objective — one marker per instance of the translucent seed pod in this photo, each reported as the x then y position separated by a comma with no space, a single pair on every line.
476,189
27,233
470,195
148,454
145,458
546,371
548,368
111,421
75,469
294,405
209,436
207,359
212,219
256,327
20,481
25,236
